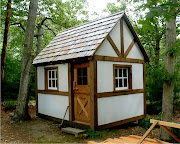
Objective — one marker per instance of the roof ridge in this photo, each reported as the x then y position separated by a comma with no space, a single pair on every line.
91,21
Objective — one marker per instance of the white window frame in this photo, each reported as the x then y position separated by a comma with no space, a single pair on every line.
122,77
51,79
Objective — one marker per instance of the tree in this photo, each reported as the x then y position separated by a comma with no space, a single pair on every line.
22,105
168,86
3,54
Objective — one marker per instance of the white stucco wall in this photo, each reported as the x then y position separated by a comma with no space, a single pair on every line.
62,76
53,105
135,53
116,108
106,49
115,35
105,75
40,78
128,37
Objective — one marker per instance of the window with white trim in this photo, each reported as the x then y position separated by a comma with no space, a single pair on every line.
122,77
52,79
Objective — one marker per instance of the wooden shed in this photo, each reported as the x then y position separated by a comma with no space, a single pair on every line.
98,70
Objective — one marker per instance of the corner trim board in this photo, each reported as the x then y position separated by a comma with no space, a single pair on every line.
36,90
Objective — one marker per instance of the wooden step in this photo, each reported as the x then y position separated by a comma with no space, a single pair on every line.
73,131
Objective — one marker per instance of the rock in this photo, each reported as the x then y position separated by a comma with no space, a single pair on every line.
11,114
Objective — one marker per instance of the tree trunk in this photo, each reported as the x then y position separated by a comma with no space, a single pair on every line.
157,49
22,105
168,86
3,54
39,39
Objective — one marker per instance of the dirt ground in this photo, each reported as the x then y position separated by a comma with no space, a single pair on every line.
40,130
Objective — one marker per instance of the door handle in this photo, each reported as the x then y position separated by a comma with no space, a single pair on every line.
74,86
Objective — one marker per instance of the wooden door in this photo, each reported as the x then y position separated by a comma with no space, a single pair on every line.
81,90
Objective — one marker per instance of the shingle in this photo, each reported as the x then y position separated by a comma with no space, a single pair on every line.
79,41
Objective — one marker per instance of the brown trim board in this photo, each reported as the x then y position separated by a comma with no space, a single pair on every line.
122,37
46,76
36,90
117,59
53,92
93,98
113,124
129,48
70,89
129,75
144,86
113,45
119,93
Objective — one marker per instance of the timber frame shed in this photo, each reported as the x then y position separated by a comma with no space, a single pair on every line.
95,71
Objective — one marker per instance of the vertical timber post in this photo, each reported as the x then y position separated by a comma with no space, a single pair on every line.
93,96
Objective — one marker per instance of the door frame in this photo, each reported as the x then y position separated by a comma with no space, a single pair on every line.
93,93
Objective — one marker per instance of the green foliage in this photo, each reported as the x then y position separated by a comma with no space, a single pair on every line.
10,105
120,5
174,49
93,134
61,15
154,82
154,107
145,122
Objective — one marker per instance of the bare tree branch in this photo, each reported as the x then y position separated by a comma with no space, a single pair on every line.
50,29
19,24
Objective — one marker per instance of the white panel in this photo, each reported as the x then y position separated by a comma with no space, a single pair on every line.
115,35
128,37
106,49
105,75
40,78
135,53
53,105
112,109
63,77
137,76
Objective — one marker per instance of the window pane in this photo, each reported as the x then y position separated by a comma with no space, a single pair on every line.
84,80
49,74
53,83
79,80
116,83
79,72
120,72
120,83
84,71
124,72
53,75
125,82
49,83
116,72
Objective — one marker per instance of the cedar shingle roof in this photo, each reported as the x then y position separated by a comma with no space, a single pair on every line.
79,41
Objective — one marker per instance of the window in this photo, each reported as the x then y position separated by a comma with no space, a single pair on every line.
82,76
51,82
122,77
